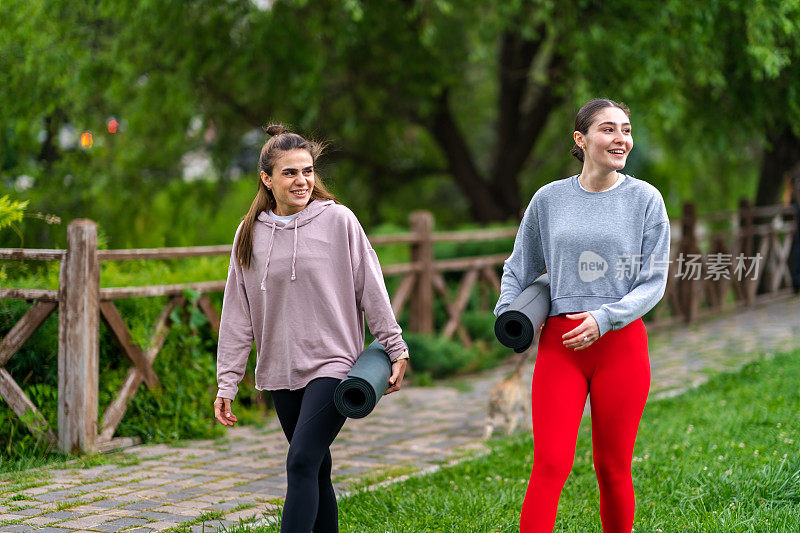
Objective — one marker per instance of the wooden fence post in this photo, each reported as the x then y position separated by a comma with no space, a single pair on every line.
746,247
78,342
688,288
421,299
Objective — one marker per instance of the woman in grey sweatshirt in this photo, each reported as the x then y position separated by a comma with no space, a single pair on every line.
301,278
603,237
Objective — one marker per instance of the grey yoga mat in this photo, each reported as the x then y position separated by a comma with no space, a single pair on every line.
517,326
358,394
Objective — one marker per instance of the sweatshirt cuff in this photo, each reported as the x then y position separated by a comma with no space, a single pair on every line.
227,393
403,355
603,321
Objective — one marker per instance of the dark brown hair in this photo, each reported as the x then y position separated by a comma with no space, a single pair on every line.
585,117
281,140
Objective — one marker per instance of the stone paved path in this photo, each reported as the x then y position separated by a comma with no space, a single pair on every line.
212,484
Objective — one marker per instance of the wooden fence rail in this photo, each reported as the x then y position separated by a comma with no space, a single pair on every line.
762,235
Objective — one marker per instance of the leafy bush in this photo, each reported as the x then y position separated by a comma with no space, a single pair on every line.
10,211
439,357
480,325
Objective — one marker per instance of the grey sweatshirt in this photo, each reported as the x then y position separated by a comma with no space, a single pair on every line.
606,252
303,300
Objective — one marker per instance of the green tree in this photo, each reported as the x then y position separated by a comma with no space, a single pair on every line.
746,78
457,103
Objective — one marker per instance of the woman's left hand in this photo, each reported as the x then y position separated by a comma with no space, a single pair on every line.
588,330
398,371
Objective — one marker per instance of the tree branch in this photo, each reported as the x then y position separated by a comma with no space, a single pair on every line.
514,153
461,164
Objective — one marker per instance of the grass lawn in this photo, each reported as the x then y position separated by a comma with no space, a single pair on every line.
720,458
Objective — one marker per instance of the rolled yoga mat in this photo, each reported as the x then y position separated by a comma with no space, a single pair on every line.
358,394
517,325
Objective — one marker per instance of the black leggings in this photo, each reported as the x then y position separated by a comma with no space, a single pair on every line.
310,422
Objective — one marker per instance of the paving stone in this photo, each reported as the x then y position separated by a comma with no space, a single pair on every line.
19,528
40,521
226,506
161,525
121,523
107,503
87,522
54,496
62,515
169,517
143,505
186,512
184,494
30,511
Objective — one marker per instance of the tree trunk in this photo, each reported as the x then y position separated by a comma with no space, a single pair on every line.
781,156
523,109
485,202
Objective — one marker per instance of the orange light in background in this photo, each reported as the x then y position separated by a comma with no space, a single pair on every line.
87,140
113,126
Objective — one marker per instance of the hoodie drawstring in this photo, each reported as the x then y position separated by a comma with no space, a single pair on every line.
269,253
294,251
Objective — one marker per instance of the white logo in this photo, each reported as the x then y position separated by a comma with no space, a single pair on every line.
591,266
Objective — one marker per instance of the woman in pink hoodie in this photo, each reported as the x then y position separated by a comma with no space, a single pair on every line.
301,277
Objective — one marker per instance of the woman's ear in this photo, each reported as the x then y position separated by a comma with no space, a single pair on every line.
578,137
266,179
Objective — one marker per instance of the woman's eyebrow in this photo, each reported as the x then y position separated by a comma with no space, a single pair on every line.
291,169
614,123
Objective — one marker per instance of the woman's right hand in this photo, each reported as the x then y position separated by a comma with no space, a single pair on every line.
222,412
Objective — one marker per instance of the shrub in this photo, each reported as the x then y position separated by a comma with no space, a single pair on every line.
439,357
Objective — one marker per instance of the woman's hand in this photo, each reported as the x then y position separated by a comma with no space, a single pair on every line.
589,330
222,412
398,371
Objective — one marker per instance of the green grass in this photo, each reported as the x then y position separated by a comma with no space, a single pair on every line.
208,516
722,457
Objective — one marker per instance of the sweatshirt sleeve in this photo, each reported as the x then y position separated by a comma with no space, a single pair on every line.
651,282
526,261
235,333
373,299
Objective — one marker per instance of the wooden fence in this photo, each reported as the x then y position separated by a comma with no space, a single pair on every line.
702,242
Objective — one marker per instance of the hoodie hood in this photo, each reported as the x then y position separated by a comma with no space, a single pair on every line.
311,211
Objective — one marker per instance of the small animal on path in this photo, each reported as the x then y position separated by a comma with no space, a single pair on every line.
508,399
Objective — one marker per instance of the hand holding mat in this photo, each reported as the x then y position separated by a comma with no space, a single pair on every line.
358,394
517,326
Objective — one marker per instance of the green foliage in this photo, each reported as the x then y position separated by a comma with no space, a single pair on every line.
438,357
480,325
201,78
10,211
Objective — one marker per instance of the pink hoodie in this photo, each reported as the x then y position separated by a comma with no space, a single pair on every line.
303,301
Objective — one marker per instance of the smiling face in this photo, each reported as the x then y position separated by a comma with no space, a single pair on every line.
608,141
291,181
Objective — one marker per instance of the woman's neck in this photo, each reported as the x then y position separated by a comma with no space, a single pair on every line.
596,179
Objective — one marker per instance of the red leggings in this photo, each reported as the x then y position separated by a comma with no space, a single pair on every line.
615,370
